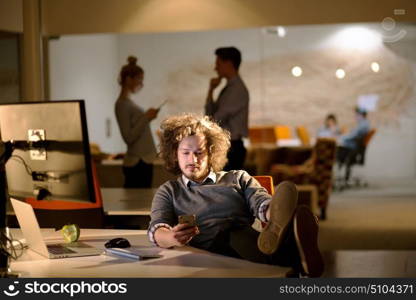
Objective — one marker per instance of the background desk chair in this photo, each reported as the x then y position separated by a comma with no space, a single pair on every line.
356,158
55,214
262,135
316,170
283,132
303,135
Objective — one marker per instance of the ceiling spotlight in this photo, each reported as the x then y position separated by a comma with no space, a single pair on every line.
281,31
296,71
340,73
375,67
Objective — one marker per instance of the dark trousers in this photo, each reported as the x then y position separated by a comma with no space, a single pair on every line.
138,176
344,157
342,154
236,156
241,242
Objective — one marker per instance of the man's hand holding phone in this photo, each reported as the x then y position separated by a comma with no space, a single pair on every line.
185,230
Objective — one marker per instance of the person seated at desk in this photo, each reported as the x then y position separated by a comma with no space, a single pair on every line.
351,141
330,128
226,203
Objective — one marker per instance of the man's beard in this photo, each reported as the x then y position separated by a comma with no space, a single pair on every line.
198,173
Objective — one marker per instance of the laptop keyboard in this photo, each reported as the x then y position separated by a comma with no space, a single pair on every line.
58,249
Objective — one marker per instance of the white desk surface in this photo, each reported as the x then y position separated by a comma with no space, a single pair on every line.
120,201
177,262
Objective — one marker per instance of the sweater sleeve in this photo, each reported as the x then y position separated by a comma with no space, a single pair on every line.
254,194
162,207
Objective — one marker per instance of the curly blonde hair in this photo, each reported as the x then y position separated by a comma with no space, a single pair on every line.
175,128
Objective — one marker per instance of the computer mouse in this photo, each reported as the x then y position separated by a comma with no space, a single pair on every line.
117,243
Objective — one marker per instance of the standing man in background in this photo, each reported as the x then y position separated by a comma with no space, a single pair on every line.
230,110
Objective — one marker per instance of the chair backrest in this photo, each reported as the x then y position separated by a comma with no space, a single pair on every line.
303,135
58,213
324,151
368,137
357,157
282,132
266,182
262,134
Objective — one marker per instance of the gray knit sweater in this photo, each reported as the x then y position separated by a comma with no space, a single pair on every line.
233,200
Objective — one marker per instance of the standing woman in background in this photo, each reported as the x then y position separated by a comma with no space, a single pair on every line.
134,126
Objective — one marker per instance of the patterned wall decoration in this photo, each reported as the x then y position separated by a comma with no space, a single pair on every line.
277,97
308,98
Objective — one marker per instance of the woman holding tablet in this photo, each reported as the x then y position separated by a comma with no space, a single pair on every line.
134,124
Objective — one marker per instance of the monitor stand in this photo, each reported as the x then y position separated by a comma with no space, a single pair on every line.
4,255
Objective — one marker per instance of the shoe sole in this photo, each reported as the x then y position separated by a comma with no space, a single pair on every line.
306,237
282,208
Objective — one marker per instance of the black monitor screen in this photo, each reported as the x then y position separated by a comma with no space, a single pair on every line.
59,169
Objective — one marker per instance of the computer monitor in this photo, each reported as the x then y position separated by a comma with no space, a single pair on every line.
51,157
46,156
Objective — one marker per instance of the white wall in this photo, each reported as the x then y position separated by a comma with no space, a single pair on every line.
86,67
178,67
392,152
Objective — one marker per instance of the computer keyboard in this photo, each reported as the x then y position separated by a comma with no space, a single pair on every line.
58,249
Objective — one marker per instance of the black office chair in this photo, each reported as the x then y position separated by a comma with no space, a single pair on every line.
355,157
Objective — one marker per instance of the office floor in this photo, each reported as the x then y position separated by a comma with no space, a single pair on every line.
381,216
370,263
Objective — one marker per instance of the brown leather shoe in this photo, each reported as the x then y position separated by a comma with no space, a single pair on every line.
306,235
282,208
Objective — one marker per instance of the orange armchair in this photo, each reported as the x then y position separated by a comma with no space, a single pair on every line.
303,135
266,182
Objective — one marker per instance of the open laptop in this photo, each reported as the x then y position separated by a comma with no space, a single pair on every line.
31,231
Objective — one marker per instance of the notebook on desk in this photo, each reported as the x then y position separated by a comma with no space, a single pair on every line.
134,252
31,231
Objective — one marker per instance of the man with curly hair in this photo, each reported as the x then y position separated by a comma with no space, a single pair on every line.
226,203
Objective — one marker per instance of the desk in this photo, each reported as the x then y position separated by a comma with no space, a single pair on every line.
120,201
192,262
261,156
123,208
127,208
133,202
110,173
179,262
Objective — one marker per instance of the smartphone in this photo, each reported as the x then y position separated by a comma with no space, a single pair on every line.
187,219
